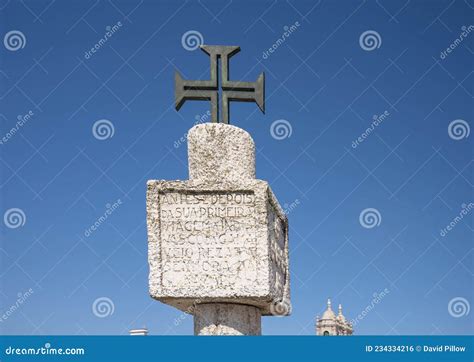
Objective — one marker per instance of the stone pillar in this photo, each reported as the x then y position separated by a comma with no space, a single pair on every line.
218,242
227,319
220,153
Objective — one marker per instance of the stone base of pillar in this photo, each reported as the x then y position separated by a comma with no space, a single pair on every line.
217,319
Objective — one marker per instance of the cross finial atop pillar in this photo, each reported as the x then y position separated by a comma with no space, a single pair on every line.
209,89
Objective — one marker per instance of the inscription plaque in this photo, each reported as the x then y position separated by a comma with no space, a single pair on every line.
208,237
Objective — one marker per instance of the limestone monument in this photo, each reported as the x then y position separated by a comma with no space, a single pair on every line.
218,242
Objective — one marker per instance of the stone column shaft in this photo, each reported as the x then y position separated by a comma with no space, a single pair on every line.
227,319
223,154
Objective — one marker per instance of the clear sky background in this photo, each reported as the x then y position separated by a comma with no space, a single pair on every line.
320,80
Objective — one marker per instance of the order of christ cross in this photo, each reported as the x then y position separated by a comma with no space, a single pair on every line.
186,90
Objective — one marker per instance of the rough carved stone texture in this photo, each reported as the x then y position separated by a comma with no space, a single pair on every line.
227,319
220,237
218,151
223,243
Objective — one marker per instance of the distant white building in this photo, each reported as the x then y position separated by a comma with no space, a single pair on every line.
331,325
138,332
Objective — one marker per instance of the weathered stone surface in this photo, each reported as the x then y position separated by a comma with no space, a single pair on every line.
227,319
220,237
219,151
223,243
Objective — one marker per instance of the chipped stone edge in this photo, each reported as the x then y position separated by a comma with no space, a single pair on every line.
286,297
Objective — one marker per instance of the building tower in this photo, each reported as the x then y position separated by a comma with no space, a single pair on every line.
331,325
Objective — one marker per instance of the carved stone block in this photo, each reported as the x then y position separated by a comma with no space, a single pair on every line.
221,242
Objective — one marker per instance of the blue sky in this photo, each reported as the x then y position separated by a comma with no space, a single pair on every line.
415,167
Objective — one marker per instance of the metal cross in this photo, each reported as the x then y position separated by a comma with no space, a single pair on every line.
186,90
